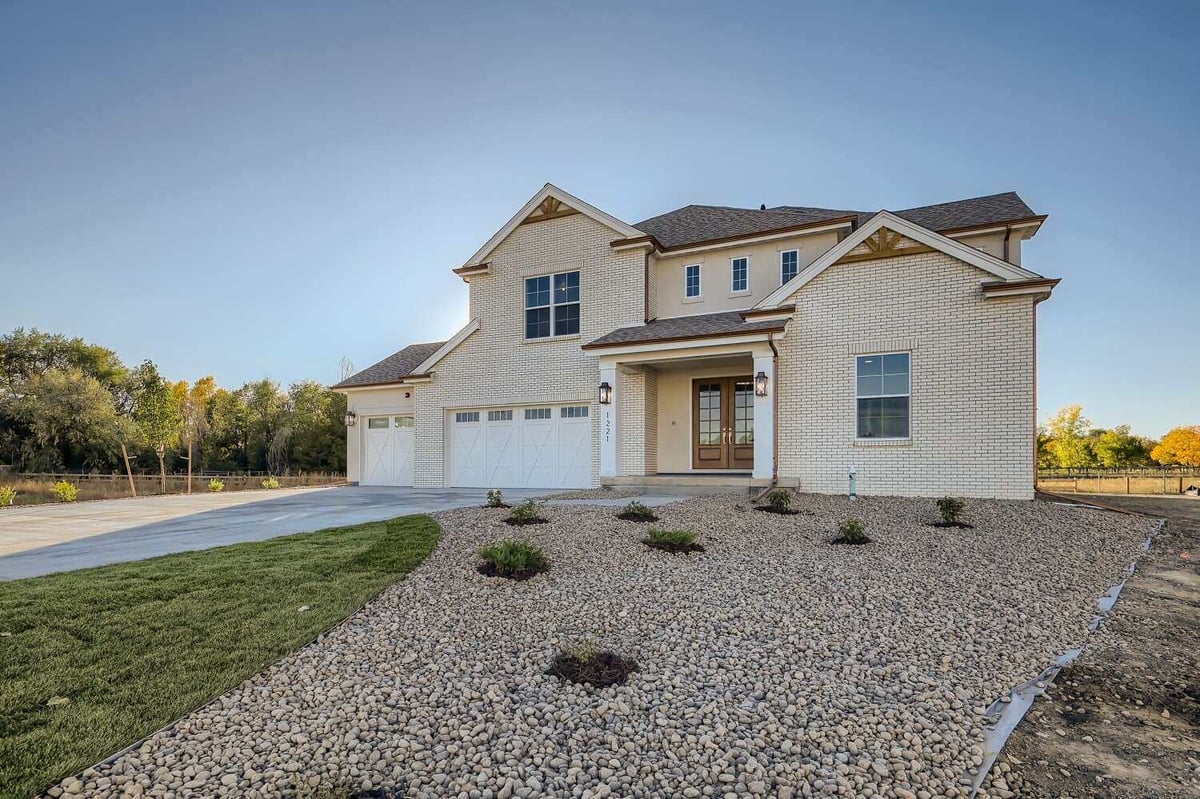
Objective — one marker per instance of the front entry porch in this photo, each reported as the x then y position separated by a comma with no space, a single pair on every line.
691,415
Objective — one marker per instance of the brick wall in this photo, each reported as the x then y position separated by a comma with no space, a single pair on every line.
496,366
637,423
972,362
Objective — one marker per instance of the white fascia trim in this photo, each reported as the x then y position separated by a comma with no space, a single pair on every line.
550,190
444,350
988,263
687,344
997,229
725,245
1016,291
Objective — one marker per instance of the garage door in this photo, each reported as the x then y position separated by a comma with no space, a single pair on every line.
538,447
387,451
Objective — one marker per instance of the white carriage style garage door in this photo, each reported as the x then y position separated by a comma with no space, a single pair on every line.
387,451
540,447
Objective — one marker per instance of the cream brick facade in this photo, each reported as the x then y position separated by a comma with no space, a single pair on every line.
972,360
496,366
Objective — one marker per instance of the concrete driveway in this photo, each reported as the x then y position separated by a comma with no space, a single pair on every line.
52,538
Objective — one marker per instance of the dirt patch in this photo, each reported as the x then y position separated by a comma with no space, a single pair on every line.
780,511
524,522
488,569
601,670
841,540
957,525
1123,721
670,546
636,517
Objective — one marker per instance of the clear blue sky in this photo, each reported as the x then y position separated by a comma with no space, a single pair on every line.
249,189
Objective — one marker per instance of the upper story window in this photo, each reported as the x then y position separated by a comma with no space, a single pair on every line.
691,281
552,305
739,270
882,391
789,265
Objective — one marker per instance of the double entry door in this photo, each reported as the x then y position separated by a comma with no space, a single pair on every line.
723,423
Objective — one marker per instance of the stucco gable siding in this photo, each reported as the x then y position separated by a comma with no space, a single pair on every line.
972,362
496,366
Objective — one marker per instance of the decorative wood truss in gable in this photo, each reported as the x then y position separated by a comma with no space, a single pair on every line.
549,208
884,243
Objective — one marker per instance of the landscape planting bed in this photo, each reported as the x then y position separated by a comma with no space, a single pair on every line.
773,664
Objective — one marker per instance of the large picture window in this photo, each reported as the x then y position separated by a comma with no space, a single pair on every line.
552,305
883,393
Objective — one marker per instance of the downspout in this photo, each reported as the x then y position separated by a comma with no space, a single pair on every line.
646,285
775,412
1007,233
1033,321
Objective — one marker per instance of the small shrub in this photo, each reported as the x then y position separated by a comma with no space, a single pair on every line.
270,482
215,485
637,512
587,663
778,501
65,492
7,495
852,531
672,541
528,512
951,509
495,499
516,560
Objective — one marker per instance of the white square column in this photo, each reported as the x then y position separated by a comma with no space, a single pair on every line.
764,419
608,422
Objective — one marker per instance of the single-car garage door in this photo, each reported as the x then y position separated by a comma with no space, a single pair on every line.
539,447
387,451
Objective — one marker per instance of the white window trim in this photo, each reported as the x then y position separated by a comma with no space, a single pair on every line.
552,337
781,254
854,371
739,292
699,297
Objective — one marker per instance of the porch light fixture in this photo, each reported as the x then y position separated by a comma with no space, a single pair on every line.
760,384
605,394
351,418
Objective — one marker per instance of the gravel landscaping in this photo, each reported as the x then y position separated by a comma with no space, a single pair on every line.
772,664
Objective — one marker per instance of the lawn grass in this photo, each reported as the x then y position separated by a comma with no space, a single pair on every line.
134,646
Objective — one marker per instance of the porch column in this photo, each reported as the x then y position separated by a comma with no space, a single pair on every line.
764,419
608,421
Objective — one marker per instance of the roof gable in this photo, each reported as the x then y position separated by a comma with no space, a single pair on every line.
899,234
549,203
393,368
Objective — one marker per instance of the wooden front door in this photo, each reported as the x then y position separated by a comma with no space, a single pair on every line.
723,423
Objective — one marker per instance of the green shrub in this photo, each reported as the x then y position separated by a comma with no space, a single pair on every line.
637,512
270,482
495,498
215,485
65,492
587,663
853,531
780,500
7,495
951,509
528,512
672,540
518,560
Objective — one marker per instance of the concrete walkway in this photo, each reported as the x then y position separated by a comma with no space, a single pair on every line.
42,539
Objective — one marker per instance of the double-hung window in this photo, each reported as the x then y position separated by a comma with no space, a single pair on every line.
691,282
552,305
883,394
789,265
739,275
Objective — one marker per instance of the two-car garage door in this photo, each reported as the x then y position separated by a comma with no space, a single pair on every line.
538,447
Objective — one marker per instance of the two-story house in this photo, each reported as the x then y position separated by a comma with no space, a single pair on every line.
786,344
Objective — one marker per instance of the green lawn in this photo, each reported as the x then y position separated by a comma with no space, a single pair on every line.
136,645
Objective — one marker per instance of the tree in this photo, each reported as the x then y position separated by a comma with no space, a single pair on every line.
268,432
1119,447
193,413
1180,447
1068,433
318,427
156,412
71,419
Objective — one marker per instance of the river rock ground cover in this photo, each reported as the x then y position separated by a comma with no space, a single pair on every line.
772,664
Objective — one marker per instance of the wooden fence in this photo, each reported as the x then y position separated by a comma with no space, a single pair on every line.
1118,481
34,489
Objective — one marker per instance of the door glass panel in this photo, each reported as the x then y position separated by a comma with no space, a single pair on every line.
404,421
710,414
743,412
377,423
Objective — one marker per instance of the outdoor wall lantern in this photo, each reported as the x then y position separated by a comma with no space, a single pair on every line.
351,418
605,394
760,384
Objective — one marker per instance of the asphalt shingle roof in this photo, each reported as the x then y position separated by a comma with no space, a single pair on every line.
394,367
693,224
681,327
